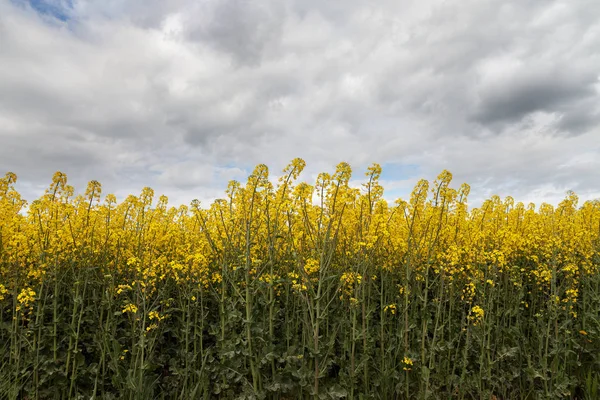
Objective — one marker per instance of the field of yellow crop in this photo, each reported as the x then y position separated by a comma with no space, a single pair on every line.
293,290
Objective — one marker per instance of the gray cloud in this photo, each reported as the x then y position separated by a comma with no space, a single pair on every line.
533,88
242,28
183,95
580,116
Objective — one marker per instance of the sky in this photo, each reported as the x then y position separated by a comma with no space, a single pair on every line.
185,95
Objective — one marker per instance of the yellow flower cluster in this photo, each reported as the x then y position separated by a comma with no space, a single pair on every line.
300,235
349,282
3,291
391,308
297,284
468,292
155,315
267,278
407,363
311,266
476,315
26,298
123,288
130,308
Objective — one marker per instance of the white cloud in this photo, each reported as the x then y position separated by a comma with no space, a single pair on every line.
182,96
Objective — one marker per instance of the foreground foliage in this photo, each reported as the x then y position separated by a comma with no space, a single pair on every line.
298,291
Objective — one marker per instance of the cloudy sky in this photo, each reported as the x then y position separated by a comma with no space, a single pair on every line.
184,95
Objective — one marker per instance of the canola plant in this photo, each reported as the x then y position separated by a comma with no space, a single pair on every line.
292,290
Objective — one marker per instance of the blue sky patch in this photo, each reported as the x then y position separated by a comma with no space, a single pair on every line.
59,9
398,172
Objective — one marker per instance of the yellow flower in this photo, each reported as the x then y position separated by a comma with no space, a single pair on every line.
391,308
155,315
130,308
26,298
3,291
122,288
468,292
216,278
311,266
476,314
